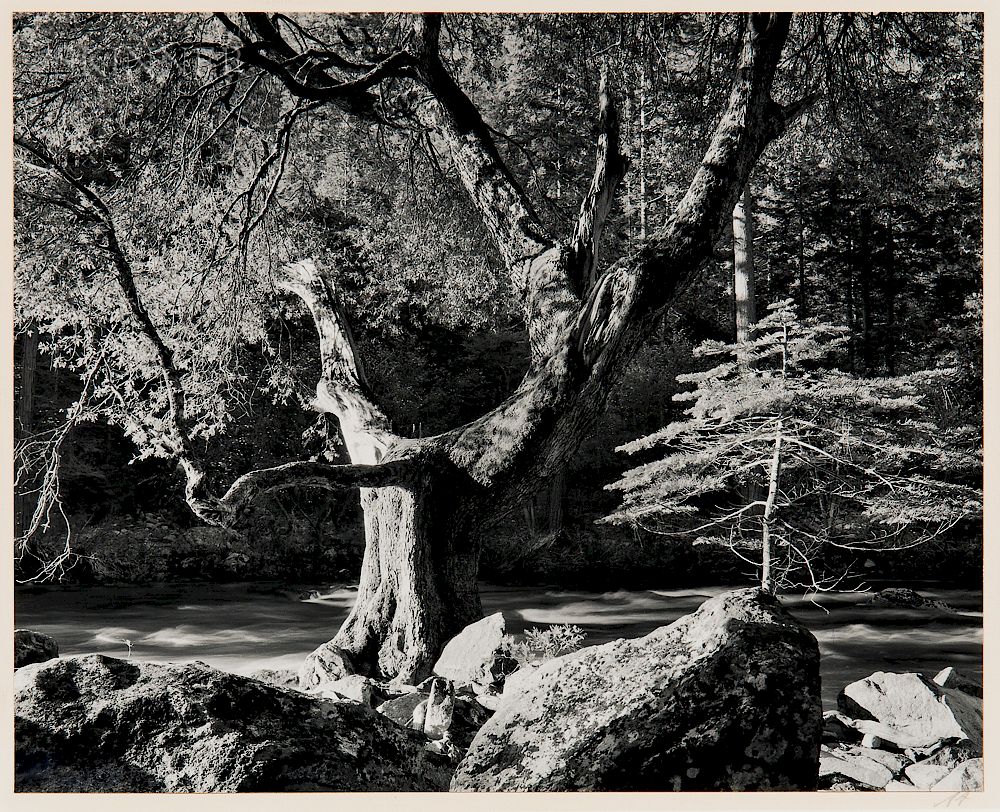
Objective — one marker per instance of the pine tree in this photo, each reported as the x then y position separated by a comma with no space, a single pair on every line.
834,460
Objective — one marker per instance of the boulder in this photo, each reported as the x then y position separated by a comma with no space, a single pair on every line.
966,777
468,718
959,681
726,698
903,598
400,709
911,711
33,647
99,724
354,687
477,654
491,702
278,677
326,664
872,732
851,762
873,742
518,681
896,762
924,776
433,715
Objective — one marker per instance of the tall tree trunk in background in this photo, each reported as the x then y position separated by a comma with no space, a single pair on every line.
745,307
891,293
529,517
852,333
800,210
865,271
744,269
643,136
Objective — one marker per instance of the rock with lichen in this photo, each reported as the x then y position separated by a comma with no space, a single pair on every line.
726,698
99,724
33,647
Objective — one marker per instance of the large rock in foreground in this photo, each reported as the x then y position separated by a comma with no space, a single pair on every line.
912,711
727,698
96,723
477,654
33,647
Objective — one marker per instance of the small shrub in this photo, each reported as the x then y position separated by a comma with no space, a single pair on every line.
544,644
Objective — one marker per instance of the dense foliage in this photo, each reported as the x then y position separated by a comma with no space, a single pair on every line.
868,215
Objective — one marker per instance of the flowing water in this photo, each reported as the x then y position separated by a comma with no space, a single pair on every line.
243,627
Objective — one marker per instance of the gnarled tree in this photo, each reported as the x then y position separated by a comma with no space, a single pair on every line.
428,501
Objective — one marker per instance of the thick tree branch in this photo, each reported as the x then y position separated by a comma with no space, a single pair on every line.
343,389
608,173
538,266
499,198
305,74
223,512
100,215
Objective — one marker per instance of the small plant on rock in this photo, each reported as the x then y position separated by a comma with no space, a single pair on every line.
540,645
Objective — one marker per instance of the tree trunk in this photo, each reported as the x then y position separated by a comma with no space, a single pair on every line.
557,493
767,583
744,270
418,583
803,293
891,292
643,137
864,272
745,294
26,416
852,333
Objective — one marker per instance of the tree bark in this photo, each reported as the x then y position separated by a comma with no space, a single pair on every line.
744,270
891,292
864,271
800,210
643,136
557,493
767,582
419,579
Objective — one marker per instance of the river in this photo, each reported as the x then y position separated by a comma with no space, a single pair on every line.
243,627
